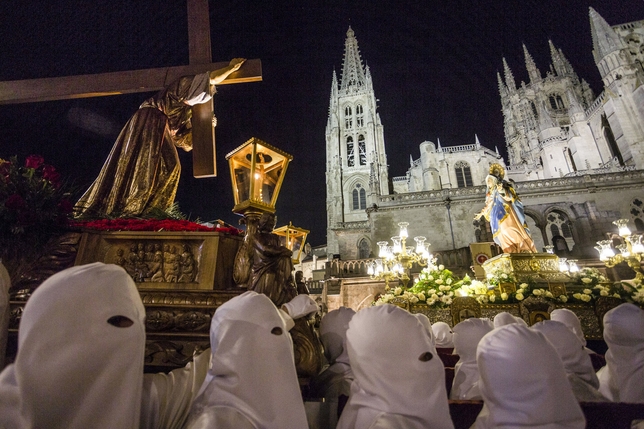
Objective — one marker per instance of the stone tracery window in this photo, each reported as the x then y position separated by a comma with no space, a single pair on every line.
364,249
558,225
359,197
348,117
637,213
463,174
351,156
359,116
362,150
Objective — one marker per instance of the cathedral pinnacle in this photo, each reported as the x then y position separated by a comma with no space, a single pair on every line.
509,77
502,89
559,61
605,40
533,71
353,73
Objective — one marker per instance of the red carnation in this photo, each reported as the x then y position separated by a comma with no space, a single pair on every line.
49,173
34,161
14,202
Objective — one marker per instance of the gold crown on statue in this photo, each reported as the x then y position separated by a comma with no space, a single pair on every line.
497,170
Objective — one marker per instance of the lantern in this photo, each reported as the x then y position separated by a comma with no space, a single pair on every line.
294,238
257,170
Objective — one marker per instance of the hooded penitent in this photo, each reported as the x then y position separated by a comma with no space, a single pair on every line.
570,319
467,335
252,381
622,379
336,379
523,382
80,360
399,380
443,335
577,364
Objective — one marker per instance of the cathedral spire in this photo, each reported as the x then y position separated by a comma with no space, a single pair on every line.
605,40
533,71
509,77
559,61
503,90
353,74
476,141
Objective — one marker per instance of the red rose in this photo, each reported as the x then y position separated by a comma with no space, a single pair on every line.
50,174
14,202
34,161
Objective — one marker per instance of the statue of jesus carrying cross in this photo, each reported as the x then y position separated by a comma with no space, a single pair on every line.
141,174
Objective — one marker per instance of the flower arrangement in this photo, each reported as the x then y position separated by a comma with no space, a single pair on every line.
34,202
588,277
436,287
134,224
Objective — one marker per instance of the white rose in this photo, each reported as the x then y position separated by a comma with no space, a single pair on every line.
549,294
585,298
603,292
441,267
430,278
504,296
616,295
536,292
421,296
588,291
439,281
492,298
397,291
448,281
504,276
434,296
563,298
413,299
576,295
519,297
523,286
431,301
586,280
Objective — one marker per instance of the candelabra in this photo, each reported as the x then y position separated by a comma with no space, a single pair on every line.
395,260
631,250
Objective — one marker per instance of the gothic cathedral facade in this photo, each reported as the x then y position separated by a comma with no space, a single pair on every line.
577,159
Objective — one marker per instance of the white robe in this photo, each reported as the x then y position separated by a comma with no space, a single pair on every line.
504,318
74,369
523,382
443,335
467,335
336,379
252,381
570,319
577,363
622,379
5,285
399,379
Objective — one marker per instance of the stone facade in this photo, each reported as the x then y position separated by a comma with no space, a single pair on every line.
577,159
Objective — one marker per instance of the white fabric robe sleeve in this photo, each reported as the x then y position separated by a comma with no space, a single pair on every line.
167,398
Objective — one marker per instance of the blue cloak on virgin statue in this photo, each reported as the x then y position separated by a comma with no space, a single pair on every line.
504,210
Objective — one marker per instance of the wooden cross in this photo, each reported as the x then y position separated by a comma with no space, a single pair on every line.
96,85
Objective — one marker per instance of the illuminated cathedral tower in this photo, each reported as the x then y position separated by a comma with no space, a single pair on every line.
356,169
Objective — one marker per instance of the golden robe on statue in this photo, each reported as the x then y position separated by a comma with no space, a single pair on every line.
504,210
142,171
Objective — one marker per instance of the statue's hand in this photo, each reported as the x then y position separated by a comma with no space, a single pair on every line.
236,63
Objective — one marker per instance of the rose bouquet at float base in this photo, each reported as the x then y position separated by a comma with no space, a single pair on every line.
35,205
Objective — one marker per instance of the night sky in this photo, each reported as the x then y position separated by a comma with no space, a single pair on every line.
433,65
